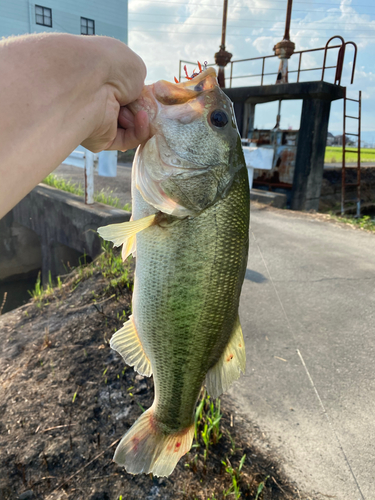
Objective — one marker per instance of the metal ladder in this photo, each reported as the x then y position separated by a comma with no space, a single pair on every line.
357,150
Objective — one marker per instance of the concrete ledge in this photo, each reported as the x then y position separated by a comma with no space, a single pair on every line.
58,216
59,225
277,200
300,90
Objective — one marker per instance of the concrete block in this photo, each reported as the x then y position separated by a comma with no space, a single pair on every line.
277,200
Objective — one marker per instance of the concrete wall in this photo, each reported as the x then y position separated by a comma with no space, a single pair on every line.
17,17
20,249
49,229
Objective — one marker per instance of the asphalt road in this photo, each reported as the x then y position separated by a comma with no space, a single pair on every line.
308,316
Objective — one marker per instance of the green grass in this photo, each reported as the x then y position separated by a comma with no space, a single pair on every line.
333,154
109,263
235,474
364,222
101,196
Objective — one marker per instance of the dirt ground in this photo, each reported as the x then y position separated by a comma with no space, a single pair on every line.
66,399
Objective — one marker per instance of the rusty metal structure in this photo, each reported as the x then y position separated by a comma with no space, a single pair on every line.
338,66
284,49
284,146
298,155
223,57
357,151
299,53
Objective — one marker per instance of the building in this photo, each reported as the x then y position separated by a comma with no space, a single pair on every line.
80,17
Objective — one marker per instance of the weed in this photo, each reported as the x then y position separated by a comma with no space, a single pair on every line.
3,303
232,442
47,341
38,289
77,189
260,487
59,284
141,407
364,222
235,475
207,422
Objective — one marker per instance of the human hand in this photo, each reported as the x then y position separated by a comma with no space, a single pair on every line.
116,126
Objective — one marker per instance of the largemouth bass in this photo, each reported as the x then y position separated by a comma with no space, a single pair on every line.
189,230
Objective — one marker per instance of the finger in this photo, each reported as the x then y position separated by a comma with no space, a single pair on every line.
131,138
127,71
142,126
125,118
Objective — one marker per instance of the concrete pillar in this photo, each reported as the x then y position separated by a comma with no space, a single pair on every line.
248,119
309,164
245,113
239,109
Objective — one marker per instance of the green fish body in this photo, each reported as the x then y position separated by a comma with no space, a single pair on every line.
191,242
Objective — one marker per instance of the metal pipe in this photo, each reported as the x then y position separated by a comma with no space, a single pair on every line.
261,82
299,66
89,177
343,160
287,20
359,156
224,27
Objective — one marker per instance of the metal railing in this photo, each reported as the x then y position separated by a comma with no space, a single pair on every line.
338,66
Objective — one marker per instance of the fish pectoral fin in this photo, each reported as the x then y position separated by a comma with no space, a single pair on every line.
229,367
127,343
125,232
147,448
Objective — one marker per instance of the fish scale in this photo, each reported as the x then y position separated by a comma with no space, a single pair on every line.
190,307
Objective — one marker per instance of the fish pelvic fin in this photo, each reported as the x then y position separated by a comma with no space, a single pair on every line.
127,343
124,233
145,448
230,365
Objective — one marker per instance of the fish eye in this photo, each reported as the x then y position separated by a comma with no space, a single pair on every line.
219,118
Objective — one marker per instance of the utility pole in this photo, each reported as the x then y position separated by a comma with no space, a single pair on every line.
222,58
285,48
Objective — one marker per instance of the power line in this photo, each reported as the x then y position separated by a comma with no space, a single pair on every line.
309,11
234,19
255,27
252,8
215,34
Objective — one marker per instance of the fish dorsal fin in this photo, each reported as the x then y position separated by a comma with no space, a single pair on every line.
125,232
229,367
127,343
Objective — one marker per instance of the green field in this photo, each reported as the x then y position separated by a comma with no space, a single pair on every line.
333,154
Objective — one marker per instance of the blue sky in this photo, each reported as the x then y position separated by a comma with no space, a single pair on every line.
163,32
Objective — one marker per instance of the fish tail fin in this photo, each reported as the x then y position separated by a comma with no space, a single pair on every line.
146,448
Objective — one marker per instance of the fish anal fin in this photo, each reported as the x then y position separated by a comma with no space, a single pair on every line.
230,365
125,233
146,448
127,343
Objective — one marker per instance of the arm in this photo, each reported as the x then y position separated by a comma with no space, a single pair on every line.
58,91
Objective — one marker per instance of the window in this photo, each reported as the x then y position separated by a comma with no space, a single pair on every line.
87,26
43,16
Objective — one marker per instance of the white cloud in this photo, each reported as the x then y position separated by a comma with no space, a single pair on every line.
189,31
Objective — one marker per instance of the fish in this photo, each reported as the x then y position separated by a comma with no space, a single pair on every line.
189,231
